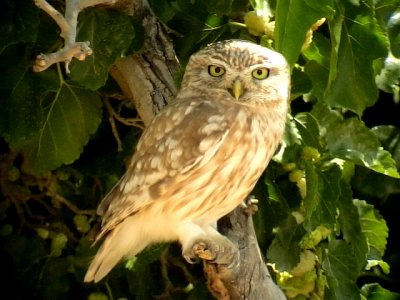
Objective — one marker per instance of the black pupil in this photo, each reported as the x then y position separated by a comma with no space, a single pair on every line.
217,70
259,72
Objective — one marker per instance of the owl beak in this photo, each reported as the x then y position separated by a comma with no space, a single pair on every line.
237,89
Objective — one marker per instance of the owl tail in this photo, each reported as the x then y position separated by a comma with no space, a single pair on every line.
126,239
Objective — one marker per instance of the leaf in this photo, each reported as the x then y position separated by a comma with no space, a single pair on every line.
374,291
350,225
300,83
19,21
293,19
352,141
375,184
285,250
53,128
222,7
309,129
319,50
389,136
341,271
322,194
389,77
13,84
393,26
351,79
110,34
374,228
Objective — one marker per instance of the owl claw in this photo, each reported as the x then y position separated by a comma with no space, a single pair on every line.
213,249
250,205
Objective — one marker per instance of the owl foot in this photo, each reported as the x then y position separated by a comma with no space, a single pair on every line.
214,249
250,205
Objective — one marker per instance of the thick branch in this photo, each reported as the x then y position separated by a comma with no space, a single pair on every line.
250,278
147,78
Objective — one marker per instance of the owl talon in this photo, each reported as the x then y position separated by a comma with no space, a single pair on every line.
250,205
216,249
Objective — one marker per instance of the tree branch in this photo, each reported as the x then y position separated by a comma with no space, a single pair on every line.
147,78
68,27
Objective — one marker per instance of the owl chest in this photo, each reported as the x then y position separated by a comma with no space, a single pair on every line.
241,165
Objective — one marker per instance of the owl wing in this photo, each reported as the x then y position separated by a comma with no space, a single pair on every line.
180,140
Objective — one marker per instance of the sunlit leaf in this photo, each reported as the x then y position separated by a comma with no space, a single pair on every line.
374,228
389,136
374,291
294,19
353,141
394,32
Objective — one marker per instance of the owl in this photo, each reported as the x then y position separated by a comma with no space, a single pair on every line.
200,157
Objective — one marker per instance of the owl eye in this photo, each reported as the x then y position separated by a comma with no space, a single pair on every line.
260,73
216,71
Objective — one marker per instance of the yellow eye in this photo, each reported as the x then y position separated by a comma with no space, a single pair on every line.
216,71
260,73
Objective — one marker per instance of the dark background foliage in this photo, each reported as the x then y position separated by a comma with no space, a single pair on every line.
329,203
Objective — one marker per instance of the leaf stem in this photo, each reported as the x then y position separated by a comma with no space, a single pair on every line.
60,75
237,24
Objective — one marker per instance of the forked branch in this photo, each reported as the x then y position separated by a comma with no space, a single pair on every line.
68,27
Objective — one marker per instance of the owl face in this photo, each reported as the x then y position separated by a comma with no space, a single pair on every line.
239,71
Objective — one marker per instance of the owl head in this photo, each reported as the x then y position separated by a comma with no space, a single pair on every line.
239,71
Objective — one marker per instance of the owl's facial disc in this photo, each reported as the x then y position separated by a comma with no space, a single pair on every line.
237,89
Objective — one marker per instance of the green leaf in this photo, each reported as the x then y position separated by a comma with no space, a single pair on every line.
300,83
222,7
375,184
53,128
372,263
341,271
285,250
393,26
309,129
389,77
352,141
110,34
350,225
374,228
13,84
322,194
352,80
319,50
374,291
389,136
293,19
19,21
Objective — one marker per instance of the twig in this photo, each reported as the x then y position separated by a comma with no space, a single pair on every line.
79,50
68,26
73,207
113,115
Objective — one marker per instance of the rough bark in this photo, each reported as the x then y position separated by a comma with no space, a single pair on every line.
148,79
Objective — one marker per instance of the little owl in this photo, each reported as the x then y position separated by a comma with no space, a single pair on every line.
200,157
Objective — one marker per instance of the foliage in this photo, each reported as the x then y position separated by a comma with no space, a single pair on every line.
328,219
